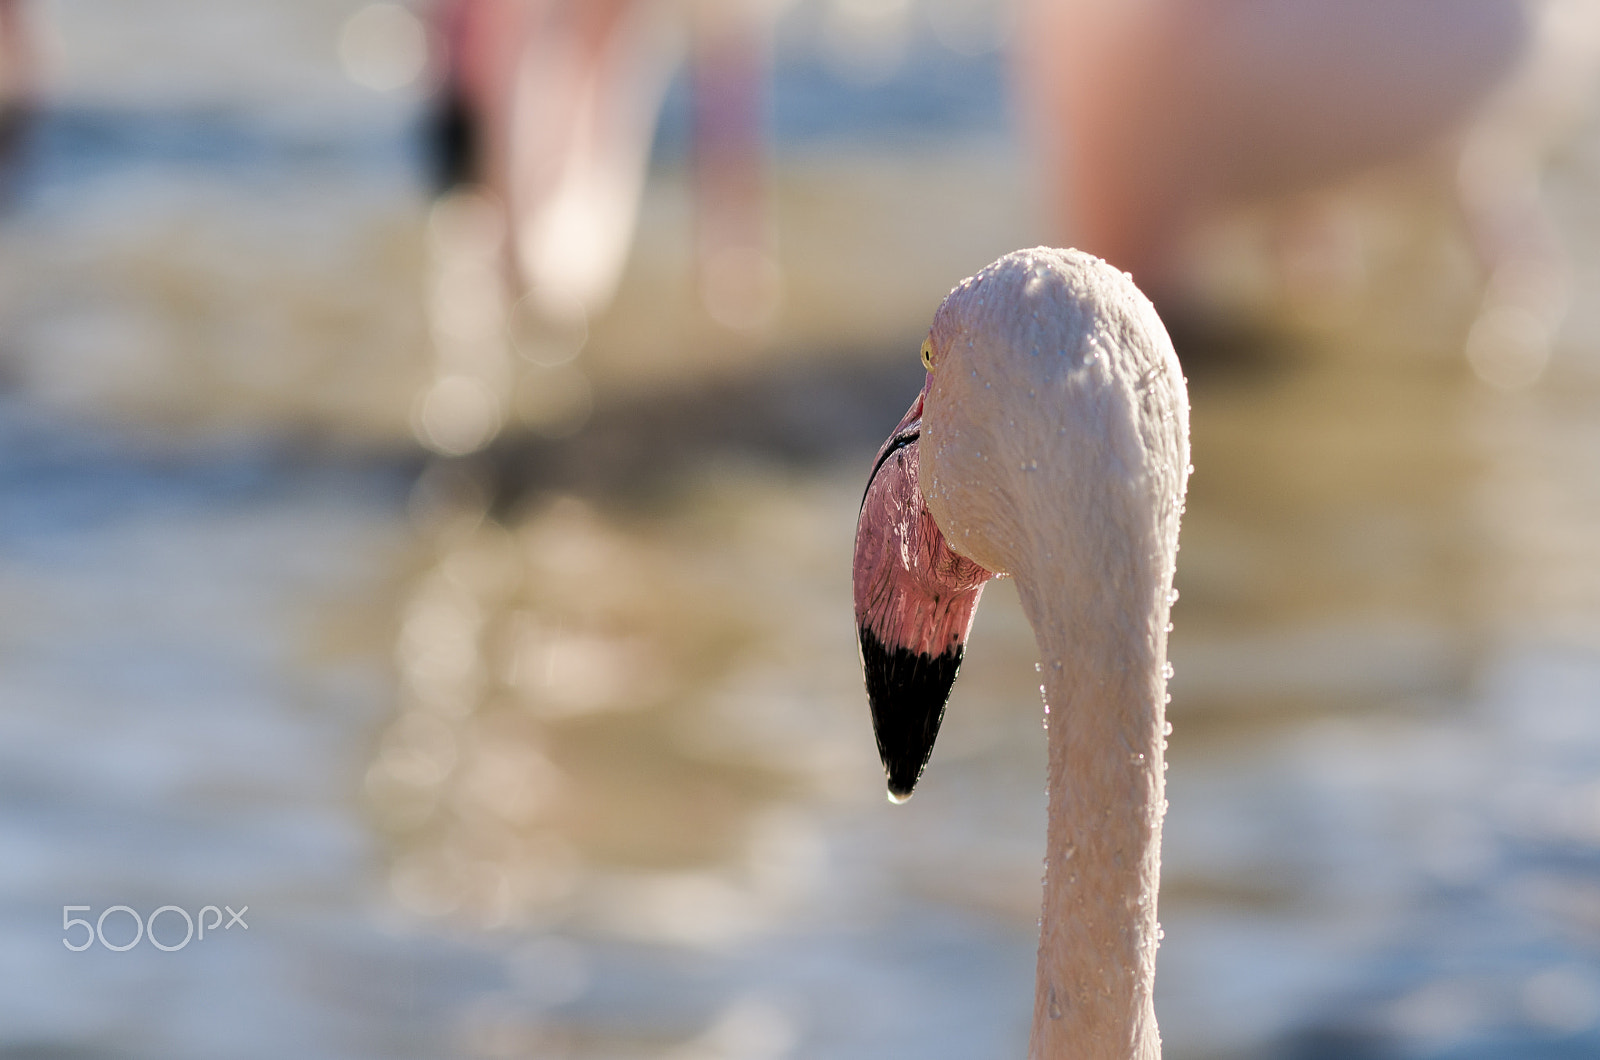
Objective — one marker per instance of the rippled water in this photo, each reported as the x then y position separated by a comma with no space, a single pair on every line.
562,751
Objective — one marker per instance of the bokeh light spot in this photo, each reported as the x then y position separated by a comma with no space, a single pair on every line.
383,47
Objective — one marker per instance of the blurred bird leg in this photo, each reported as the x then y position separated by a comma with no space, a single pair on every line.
736,262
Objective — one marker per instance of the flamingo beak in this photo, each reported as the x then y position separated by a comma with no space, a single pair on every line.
915,599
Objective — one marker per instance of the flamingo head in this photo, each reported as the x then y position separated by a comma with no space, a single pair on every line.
915,598
1049,442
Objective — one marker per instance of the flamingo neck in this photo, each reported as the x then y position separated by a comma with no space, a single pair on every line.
1103,664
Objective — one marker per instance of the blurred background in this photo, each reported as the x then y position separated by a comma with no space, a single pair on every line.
432,437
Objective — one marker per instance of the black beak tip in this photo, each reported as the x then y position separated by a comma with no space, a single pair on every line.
907,692
903,763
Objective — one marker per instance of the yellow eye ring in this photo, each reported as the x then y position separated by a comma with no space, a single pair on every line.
927,354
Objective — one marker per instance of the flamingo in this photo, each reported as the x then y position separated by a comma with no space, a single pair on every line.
1148,117
1152,119
1049,443
552,105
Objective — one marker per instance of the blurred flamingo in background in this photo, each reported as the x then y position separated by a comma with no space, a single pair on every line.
1150,118
1051,443
1148,115
552,105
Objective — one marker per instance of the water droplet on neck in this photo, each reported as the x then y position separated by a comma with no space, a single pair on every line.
1172,596
1054,1005
1166,671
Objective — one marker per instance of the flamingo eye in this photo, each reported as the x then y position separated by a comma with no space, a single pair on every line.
927,354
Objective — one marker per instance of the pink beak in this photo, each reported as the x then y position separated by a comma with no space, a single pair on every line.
915,599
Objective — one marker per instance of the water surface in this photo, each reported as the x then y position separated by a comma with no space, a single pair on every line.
561,750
